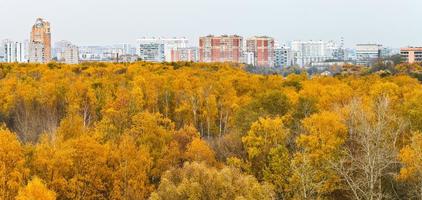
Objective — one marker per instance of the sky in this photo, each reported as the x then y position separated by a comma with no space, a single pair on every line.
393,23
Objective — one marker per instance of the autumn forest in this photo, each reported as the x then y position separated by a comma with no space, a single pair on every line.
175,131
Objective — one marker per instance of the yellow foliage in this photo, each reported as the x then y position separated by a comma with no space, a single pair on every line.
36,190
12,159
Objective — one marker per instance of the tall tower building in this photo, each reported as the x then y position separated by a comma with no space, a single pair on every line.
263,50
220,48
40,42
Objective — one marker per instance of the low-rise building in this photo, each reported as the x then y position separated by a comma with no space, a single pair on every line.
152,52
411,54
188,54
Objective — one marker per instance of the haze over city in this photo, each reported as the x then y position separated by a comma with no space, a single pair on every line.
102,22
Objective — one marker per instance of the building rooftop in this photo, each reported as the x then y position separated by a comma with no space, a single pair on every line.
411,49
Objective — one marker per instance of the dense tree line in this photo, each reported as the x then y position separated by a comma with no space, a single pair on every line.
208,131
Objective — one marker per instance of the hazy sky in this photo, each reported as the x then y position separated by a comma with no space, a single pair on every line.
390,22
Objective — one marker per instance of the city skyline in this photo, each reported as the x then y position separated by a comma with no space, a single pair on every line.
105,22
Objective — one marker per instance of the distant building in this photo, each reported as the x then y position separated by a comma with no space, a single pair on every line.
248,58
152,52
307,52
327,65
411,54
93,53
189,54
2,54
168,45
66,52
71,55
40,42
127,58
111,53
12,51
368,54
283,57
349,54
223,48
263,49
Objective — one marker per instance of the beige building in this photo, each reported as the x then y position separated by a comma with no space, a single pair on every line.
40,42
411,54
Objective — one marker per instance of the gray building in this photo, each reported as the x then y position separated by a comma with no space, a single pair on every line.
153,52
368,54
283,57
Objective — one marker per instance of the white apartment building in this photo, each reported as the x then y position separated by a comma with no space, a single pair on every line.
66,52
152,52
154,44
71,54
12,51
307,52
248,58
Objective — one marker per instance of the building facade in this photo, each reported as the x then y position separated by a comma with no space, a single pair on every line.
13,51
188,54
411,54
71,54
283,57
368,54
152,52
223,48
263,49
248,58
66,52
40,42
308,52
169,45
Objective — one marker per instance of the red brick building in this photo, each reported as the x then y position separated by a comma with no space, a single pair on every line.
223,48
188,54
263,50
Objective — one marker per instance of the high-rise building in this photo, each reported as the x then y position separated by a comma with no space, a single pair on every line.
223,48
13,51
169,45
307,52
411,54
368,54
40,42
283,57
263,49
